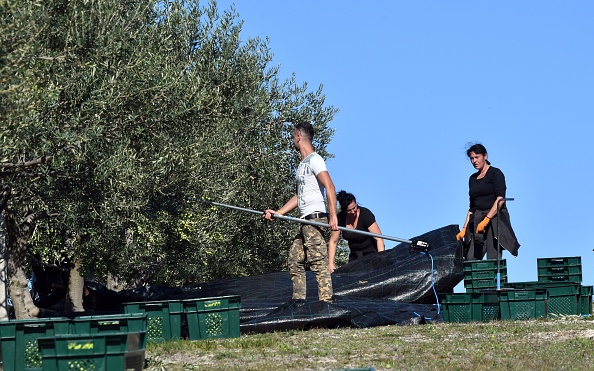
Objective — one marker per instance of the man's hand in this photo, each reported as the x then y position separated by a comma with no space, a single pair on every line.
268,214
333,222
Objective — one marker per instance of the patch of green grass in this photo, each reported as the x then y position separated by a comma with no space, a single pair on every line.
561,343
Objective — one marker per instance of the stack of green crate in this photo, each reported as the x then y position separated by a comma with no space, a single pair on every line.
481,275
564,269
216,317
105,352
586,300
562,278
470,307
23,341
558,291
485,306
164,318
523,304
207,318
133,325
19,341
563,297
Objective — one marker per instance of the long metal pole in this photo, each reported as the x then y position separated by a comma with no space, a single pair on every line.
498,249
303,221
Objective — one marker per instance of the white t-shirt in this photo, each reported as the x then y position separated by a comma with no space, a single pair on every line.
310,192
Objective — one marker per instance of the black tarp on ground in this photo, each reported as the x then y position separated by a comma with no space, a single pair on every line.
392,287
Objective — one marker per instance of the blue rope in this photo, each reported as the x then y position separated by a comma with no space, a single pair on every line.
433,280
418,315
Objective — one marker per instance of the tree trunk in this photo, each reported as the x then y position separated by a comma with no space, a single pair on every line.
16,248
76,286
21,298
113,283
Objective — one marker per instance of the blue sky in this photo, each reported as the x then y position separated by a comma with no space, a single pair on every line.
415,81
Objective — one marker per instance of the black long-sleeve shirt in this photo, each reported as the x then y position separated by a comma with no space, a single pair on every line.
483,192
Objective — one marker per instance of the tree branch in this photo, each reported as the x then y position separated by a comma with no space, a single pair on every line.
36,216
4,196
8,168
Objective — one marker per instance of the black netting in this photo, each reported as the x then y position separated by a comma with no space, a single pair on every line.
392,287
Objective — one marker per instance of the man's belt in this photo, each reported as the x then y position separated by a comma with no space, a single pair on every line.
317,215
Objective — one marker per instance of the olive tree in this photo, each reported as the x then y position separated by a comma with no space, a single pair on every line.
123,117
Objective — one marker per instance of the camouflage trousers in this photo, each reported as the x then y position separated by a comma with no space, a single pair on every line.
309,244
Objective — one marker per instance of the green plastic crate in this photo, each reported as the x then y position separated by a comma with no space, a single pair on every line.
576,278
480,275
564,299
135,325
559,262
563,296
478,285
560,271
216,317
163,317
97,352
19,341
586,300
483,265
523,304
19,338
470,307
111,323
486,274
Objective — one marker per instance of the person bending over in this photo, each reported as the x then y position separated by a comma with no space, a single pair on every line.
356,217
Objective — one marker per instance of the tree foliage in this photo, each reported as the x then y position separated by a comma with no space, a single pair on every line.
119,116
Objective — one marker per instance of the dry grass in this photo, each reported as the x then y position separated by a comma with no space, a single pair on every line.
556,344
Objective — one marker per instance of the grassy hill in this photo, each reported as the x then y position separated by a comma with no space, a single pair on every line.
565,343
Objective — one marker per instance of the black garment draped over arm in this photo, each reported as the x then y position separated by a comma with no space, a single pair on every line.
483,193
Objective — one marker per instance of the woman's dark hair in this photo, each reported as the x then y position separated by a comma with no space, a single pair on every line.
344,199
479,149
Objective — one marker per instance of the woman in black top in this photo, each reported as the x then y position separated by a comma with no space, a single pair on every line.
485,188
357,217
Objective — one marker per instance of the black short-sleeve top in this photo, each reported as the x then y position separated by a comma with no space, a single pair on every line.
359,244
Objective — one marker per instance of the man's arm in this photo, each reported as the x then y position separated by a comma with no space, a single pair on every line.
290,205
334,237
326,181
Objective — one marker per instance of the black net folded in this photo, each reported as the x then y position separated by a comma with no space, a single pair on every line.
392,287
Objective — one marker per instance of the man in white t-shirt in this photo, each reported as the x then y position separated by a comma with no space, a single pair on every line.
312,180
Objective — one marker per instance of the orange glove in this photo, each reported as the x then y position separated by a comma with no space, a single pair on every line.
483,225
461,235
